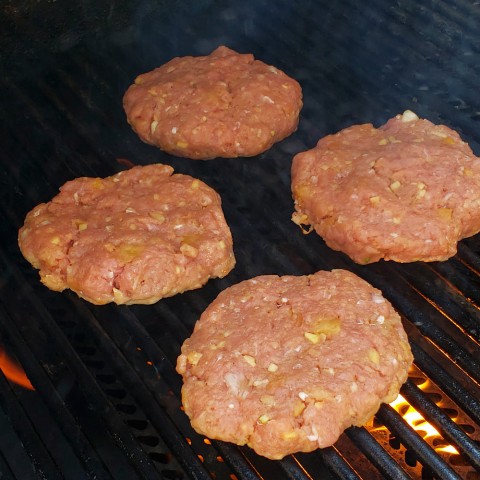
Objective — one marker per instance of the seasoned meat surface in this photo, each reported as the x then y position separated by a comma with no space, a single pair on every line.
285,364
135,237
225,104
407,191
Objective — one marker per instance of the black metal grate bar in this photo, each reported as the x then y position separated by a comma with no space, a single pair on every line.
16,461
450,385
377,455
337,464
412,440
78,370
447,427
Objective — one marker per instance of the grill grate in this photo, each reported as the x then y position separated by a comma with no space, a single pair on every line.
107,399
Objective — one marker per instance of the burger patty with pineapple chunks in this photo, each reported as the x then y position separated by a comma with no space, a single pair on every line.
135,237
407,191
285,364
225,104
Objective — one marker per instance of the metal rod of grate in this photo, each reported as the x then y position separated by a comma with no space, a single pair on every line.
412,439
449,429
377,455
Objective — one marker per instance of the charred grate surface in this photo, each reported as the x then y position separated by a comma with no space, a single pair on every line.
107,403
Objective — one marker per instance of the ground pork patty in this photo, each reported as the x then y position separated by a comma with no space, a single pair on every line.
285,364
225,104
407,191
135,237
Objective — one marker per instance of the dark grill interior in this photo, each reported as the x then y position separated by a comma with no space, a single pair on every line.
107,399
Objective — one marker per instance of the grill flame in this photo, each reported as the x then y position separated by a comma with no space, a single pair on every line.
416,420
13,371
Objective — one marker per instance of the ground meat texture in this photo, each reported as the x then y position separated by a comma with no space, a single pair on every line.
138,236
407,191
225,104
285,364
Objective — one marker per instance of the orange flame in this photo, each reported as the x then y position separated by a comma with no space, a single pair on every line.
13,371
416,420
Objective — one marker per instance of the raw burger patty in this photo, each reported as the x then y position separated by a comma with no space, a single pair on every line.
285,364
138,236
225,104
407,191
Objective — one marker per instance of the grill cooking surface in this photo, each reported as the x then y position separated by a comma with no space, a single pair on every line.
107,399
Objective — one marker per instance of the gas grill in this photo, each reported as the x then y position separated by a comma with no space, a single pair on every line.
106,399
